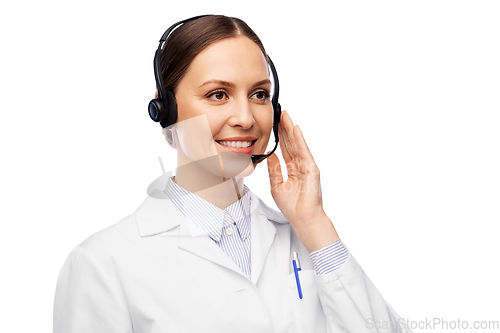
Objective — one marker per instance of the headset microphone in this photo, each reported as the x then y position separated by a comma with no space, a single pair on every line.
163,109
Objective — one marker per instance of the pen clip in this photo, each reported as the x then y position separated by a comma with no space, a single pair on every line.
296,258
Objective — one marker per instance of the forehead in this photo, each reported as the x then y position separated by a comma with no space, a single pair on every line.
234,59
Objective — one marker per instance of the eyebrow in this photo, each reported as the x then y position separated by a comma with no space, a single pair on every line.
229,84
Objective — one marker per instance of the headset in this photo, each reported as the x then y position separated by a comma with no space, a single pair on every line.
163,109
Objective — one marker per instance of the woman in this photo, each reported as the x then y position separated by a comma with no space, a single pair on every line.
209,256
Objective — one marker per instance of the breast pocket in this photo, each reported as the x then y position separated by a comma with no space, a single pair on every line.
308,315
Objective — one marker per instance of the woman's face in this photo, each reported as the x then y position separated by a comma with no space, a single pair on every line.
223,99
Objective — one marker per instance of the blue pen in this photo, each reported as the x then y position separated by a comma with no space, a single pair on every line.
296,269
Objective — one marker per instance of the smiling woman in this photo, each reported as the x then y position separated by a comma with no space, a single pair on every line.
210,256
228,83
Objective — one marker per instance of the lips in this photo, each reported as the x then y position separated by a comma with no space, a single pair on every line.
236,144
242,145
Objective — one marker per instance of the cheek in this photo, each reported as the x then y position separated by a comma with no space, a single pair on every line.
215,123
188,108
265,121
185,108
195,137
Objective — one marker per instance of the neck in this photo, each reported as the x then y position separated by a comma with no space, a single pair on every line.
216,189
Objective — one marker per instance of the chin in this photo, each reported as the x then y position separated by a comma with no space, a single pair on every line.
247,172
236,165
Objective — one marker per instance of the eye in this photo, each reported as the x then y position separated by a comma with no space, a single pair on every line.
261,95
218,95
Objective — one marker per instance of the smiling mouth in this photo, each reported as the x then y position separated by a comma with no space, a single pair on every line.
236,144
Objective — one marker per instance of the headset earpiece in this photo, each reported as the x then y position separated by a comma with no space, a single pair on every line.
155,109
164,110
170,109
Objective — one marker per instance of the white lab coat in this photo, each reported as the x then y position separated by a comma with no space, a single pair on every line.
156,272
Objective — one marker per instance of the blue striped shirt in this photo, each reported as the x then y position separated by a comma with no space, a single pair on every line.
229,228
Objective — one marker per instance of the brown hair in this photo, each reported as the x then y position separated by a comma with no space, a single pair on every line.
191,38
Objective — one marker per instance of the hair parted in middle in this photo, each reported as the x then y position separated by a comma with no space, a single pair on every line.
191,38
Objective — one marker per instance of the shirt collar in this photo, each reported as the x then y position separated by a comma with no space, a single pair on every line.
209,217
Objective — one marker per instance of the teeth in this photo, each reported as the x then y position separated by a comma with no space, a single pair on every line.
236,144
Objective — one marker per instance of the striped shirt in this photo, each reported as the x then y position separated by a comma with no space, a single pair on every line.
229,228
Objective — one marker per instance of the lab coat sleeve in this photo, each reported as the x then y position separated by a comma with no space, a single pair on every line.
353,304
88,297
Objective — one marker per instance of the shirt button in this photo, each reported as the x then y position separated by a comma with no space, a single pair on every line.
229,231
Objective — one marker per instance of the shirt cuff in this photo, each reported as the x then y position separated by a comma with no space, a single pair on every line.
329,258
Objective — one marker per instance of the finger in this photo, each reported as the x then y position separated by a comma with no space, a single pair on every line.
290,141
291,146
286,147
282,137
286,150
274,169
305,152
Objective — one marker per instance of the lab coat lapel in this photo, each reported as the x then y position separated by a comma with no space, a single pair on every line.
160,217
263,233
197,242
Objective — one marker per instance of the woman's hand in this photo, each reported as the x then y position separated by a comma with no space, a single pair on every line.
299,198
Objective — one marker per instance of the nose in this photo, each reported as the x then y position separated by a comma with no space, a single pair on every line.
242,114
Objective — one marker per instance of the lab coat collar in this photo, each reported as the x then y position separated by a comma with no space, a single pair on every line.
156,216
213,218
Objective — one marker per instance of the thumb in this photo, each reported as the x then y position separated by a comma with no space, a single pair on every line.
274,169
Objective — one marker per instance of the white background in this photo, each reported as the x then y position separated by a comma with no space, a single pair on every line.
398,101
